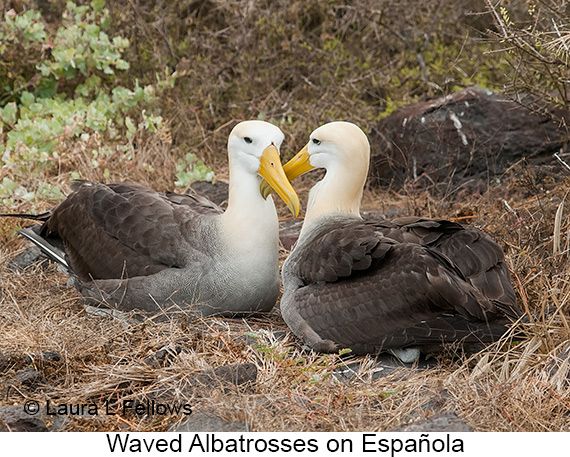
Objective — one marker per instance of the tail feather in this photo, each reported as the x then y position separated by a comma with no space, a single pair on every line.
52,247
53,250
34,217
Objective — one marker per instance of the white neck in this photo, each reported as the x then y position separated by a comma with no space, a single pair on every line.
337,193
250,222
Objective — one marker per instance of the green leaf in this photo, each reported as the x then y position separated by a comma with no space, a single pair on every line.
9,185
9,113
36,108
47,88
98,5
27,98
131,127
82,89
105,23
92,30
121,64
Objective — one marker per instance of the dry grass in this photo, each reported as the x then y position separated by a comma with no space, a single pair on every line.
507,387
298,64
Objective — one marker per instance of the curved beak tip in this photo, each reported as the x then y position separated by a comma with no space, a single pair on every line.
294,206
271,170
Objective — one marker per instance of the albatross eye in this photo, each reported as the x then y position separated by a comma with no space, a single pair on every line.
317,142
248,140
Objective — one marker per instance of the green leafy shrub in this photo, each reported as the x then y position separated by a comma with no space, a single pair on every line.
68,88
191,169
64,88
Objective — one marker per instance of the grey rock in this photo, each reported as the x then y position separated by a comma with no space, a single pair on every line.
463,141
433,404
384,365
289,230
208,422
557,372
18,361
163,357
30,378
234,374
51,356
14,419
12,360
30,256
446,421
216,192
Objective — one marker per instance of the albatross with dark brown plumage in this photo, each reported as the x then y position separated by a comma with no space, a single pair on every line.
385,285
133,248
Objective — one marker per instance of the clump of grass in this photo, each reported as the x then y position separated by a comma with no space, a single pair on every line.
506,387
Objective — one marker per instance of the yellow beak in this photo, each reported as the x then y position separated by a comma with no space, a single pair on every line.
297,166
271,171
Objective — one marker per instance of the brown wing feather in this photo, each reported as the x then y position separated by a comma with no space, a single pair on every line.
371,285
473,252
336,254
195,201
121,230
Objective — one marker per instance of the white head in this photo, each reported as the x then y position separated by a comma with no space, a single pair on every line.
343,150
249,139
253,149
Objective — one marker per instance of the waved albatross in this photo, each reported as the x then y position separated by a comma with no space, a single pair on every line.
399,286
132,248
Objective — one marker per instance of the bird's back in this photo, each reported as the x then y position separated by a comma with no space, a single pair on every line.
390,284
125,230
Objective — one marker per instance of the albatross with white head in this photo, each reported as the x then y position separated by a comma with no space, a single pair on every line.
375,285
135,249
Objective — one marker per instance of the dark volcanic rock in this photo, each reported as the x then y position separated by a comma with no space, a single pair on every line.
163,357
557,372
18,361
51,356
234,374
384,365
462,140
14,419
201,422
12,360
23,260
434,403
289,230
30,378
216,192
446,421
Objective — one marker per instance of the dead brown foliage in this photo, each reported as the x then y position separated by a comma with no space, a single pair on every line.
507,387
299,64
